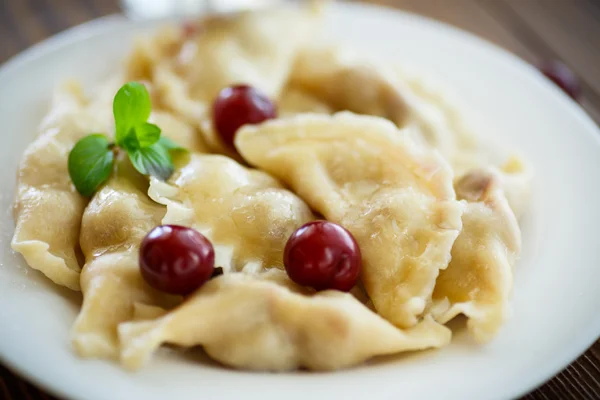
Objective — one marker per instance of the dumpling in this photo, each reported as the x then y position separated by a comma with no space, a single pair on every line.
295,101
441,106
147,52
251,48
514,178
114,224
247,214
394,196
143,311
266,322
345,82
48,208
478,281
178,131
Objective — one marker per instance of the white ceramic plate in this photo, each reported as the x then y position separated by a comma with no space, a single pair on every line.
557,282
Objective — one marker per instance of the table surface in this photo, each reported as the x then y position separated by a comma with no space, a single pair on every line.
535,30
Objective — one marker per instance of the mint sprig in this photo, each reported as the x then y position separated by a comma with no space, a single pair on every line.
131,108
91,159
154,160
90,163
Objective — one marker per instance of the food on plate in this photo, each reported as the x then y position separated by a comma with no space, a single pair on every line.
282,204
47,207
176,259
256,49
117,219
246,214
265,321
478,280
393,195
323,255
345,81
296,101
240,105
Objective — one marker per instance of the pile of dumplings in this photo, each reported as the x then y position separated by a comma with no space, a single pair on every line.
368,146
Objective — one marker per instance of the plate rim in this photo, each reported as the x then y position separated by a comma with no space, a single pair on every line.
561,359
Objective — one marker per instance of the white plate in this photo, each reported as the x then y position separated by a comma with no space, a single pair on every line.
557,288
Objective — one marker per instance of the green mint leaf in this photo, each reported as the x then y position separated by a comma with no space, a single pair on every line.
90,163
142,135
130,141
147,134
153,160
170,145
131,107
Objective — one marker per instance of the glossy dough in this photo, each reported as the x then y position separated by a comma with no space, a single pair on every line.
247,214
296,101
478,281
449,131
515,179
394,196
266,322
356,143
114,224
179,131
47,208
346,82
251,48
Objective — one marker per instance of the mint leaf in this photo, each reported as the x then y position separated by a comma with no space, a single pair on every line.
131,107
130,141
153,160
147,134
90,163
91,159
139,136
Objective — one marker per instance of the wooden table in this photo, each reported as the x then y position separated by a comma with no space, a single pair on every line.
535,30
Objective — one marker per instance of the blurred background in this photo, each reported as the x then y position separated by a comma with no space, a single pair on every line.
562,37
538,31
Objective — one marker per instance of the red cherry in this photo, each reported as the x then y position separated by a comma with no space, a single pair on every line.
239,105
323,255
175,259
562,76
